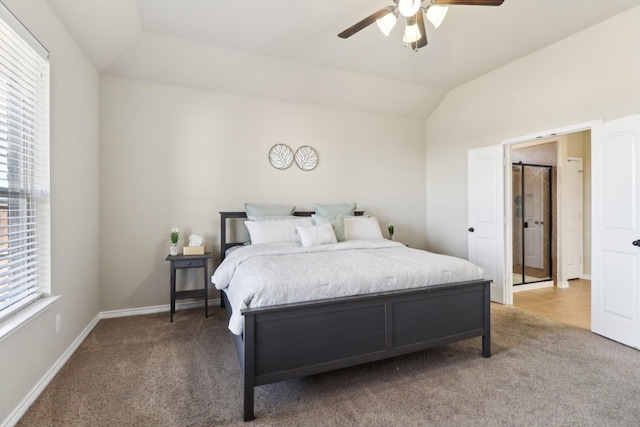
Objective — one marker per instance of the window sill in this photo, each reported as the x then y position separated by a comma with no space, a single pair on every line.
22,317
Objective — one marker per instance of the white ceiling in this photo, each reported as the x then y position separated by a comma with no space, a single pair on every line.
289,49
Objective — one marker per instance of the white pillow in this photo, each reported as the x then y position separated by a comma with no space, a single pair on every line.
362,228
276,230
317,235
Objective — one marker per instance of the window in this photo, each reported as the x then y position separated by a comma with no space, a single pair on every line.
24,165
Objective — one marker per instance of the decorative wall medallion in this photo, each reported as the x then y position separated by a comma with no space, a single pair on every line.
281,156
306,158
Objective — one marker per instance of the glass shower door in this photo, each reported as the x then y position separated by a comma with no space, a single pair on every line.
532,223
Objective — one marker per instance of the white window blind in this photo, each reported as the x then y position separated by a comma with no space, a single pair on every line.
24,157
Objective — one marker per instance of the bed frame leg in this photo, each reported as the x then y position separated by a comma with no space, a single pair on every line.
486,338
248,366
486,346
248,403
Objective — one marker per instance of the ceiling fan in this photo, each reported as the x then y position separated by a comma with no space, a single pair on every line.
414,12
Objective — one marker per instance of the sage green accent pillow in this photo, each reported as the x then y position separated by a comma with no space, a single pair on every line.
337,222
344,209
257,211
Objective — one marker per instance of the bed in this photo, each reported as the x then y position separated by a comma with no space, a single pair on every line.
289,340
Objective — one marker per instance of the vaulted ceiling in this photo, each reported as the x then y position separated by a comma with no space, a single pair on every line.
289,50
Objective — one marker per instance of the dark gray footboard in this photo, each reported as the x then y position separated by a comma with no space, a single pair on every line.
295,340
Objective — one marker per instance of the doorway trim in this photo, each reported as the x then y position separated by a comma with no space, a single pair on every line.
508,235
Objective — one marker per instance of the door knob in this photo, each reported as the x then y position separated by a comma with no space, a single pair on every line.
471,229
636,243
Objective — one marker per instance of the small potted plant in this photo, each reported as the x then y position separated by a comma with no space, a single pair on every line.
391,230
174,236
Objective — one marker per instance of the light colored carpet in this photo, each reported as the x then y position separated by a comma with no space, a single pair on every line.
145,371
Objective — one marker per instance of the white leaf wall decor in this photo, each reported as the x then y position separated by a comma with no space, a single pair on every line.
306,158
281,156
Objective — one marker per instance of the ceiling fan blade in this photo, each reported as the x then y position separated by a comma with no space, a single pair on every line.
422,41
365,22
467,2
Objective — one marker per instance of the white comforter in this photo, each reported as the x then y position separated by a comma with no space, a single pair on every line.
270,274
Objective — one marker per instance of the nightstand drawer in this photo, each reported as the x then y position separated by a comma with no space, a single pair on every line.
189,263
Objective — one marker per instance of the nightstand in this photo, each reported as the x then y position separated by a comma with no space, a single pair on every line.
188,261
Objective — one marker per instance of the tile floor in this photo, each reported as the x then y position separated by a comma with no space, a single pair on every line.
571,305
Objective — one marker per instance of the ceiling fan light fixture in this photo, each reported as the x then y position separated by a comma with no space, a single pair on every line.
411,33
386,23
436,14
408,8
414,13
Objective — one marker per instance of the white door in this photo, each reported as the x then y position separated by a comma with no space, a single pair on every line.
534,216
573,218
615,276
486,216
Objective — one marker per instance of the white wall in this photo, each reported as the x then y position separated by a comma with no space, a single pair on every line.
176,157
591,75
30,352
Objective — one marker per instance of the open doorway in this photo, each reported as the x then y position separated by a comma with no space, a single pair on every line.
551,222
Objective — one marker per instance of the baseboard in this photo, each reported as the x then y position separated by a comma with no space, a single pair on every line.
22,408
586,277
563,285
31,397
157,309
